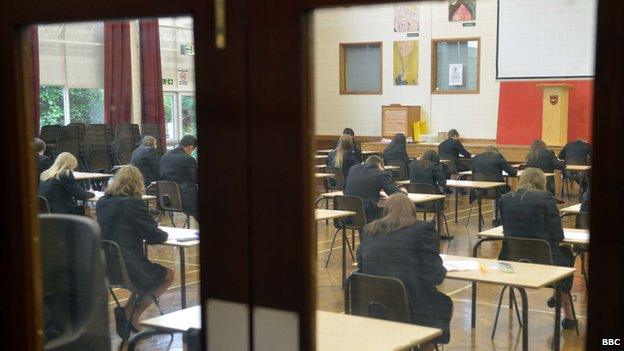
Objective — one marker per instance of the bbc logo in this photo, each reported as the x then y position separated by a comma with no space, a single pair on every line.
611,342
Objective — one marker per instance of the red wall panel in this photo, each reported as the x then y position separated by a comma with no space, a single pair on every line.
520,111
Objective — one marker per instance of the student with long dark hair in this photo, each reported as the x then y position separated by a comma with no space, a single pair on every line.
125,219
397,150
399,245
357,150
427,170
540,157
342,157
531,212
492,162
146,159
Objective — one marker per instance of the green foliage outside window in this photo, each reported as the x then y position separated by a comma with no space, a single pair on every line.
86,105
51,105
189,116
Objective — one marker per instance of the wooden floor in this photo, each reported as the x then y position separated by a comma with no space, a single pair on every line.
330,294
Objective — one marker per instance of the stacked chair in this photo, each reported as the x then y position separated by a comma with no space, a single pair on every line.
49,134
127,139
97,148
71,139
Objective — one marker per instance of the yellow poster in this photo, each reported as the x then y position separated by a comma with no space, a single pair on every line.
405,62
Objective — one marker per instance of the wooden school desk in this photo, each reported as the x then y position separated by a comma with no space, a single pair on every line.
321,215
323,175
91,176
415,198
578,168
172,240
469,173
334,331
470,184
100,194
574,209
525,276
320,157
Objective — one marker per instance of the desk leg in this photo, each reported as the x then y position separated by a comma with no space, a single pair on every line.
473,305
480,214
525,319
456,204
557,336
182,278
344,253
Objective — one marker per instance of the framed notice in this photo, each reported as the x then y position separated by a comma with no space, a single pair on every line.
398,119
456,74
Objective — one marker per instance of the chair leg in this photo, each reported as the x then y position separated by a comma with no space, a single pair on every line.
171,218
331,248
187,222
156,302
500,301
160,216
513,299
136,301
469,214
573,312
114,296
583,270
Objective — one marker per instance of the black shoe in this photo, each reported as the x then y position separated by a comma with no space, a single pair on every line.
448,191
551,302
121,323
567,323
496,222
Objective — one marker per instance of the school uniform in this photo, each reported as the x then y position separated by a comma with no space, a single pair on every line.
396,153
534,214
348,160
62,193
357,150
432,174
366,181
412,255
585,202
146,159
177,166
126,220
43,163
576,152
547,162
493,164
450,149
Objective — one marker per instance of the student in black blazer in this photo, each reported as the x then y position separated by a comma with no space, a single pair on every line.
179,166
397,150
531,212
61,189
357,150
124,218
492,162
366,181
451,148
427,170
540,157
577,152
342,157
43,162
586,200
146,159
399,245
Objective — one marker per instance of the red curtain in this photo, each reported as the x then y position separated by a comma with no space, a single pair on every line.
34,69
152,106
117,73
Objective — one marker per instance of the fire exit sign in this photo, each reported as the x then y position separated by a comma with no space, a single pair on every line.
167,81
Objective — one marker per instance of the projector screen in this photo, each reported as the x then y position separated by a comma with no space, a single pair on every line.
546,38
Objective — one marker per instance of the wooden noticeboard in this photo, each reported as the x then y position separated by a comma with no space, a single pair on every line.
398,119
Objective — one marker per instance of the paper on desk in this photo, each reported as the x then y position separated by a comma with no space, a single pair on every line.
461,265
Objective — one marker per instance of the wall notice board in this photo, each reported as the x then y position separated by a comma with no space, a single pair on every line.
398,119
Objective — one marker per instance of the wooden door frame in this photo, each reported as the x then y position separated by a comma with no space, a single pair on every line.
259,85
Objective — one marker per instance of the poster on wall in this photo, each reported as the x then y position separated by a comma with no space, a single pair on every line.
405,63
456,74
406,18
462,10
182,77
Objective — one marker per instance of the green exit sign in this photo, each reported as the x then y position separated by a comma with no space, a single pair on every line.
187,49
167,81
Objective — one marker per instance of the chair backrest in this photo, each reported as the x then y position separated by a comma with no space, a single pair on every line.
423,188
522,166
401,173
376,297
49,133
74,284
129,128
116,269
97,150
71,139
127,139
350,203
44,206
168,195
527,250
581,219
490,193
335,183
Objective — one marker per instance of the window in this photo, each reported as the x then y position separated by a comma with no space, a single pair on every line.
455,66
169,112
86,105
360,68
188,115
180,115
52,107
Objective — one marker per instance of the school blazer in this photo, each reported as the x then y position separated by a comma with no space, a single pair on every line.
146,159
366,181
348,160
177,166
63,192
492,164
546,161
576,152
450,149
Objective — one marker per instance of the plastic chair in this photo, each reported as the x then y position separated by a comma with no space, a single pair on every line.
530,251
71,139
118,277
127,139
97,149
431,206
44,206
376,296
484,194
74,284
401,173
170,201
581,221
355,222
49,134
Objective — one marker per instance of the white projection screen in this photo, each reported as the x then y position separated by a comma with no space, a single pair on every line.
546,38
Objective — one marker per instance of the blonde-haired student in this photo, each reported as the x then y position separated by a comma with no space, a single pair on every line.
61,189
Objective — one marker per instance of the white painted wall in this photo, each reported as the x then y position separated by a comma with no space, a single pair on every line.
474,115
